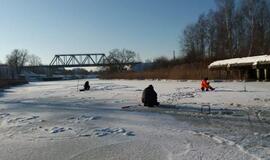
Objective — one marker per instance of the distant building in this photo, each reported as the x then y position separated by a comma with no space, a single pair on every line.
255,67
5,72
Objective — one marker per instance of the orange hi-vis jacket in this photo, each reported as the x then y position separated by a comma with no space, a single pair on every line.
204,84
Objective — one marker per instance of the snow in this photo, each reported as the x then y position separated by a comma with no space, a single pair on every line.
57,129
52,120
107,131
252,61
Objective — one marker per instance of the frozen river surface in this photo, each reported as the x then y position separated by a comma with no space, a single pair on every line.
52,120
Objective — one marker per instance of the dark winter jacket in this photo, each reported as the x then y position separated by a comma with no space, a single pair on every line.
149,96
86,86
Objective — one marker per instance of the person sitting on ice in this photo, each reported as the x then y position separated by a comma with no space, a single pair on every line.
149,97
86,86
205,85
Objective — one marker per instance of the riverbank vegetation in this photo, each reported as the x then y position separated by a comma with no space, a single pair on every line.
10,73
4,83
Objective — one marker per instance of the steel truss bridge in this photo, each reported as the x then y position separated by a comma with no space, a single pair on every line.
79,60
83,60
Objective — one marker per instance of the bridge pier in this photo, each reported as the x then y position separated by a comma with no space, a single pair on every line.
266,74
258,74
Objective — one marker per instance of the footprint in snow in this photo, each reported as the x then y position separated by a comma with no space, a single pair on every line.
108,131
58,129
3,115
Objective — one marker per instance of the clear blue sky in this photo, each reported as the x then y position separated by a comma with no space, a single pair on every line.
46,27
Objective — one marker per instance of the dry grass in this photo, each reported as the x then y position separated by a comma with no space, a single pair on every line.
11,82
182,72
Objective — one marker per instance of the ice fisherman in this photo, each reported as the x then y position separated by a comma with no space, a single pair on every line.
149,97
86,86
205,85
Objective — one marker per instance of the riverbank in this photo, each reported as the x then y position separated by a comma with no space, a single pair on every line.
4,83
181,72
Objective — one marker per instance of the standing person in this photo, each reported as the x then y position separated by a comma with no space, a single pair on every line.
149,97
205,85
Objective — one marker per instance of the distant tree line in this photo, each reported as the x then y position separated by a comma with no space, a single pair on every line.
165,62
19,58
235,29
120,57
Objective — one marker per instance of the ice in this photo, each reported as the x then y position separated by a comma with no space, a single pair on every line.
33,117
57,129
3,115
100,132
130,133
83,118
93,118
51,120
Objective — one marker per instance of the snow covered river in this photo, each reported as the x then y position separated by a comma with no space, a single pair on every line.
52,120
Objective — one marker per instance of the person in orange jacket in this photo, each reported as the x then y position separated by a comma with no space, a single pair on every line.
205,85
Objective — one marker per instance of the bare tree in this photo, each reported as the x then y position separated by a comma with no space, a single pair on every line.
34,60
211,32
16,60
226,9
161,62
234,29
201,35
120,57
188,42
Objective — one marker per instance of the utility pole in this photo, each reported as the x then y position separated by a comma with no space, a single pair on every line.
174,55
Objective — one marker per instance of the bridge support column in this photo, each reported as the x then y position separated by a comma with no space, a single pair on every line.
246,75
265,74
258,74
49,72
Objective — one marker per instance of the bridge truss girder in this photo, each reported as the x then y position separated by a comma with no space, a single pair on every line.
79,60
